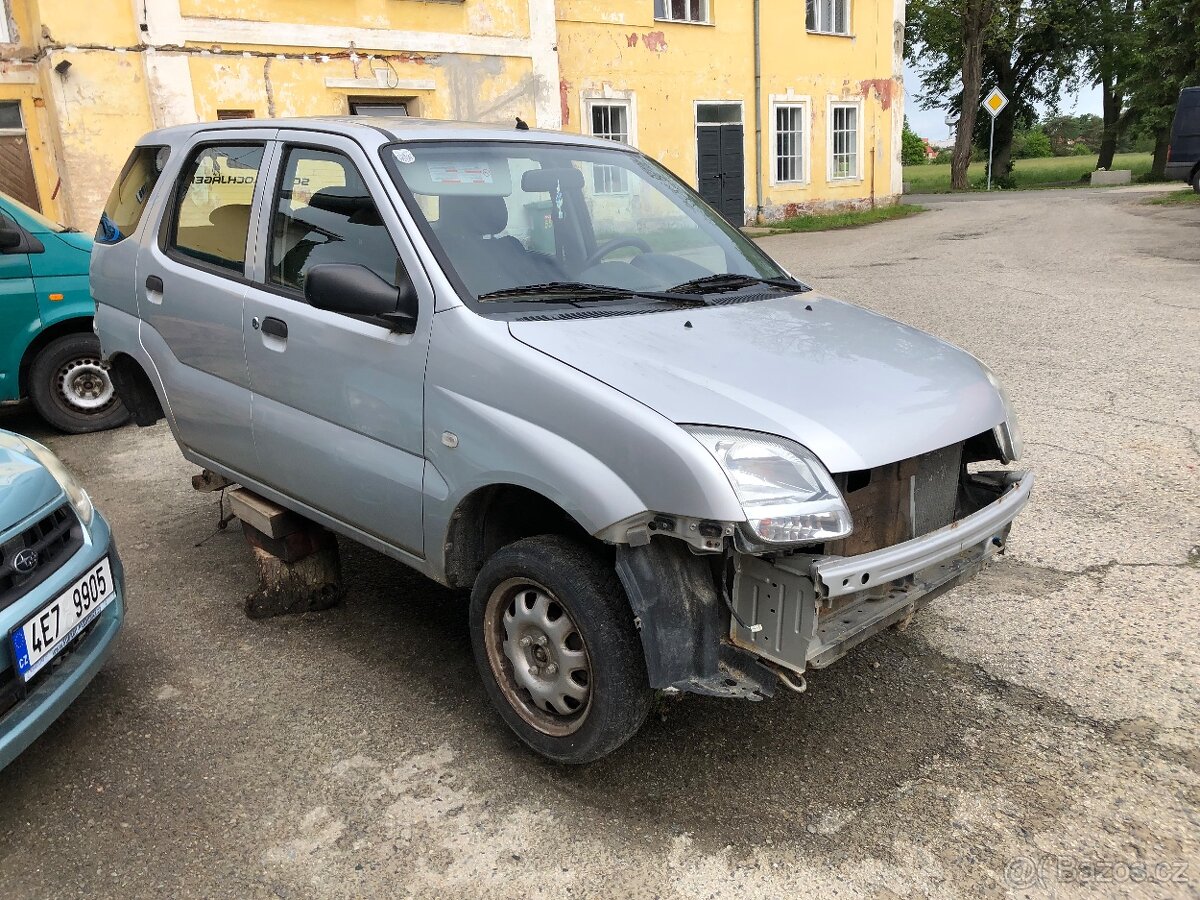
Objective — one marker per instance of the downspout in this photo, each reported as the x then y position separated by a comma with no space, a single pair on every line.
758,190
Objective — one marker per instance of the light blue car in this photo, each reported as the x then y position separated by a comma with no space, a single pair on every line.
61,591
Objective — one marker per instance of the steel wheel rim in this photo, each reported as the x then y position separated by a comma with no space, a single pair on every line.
83,385
538,656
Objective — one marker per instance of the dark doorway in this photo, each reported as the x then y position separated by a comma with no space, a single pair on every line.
720,159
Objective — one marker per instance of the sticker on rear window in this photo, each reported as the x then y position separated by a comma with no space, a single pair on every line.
450,173
405,155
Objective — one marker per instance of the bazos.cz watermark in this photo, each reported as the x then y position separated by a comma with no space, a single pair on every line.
1040,871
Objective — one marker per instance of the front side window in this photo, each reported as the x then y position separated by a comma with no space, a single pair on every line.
828,16
10,110
325,214
843,141
681,10
129,196
211,219
509,215
789,142
610,120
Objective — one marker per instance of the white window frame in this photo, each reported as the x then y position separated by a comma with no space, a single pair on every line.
624,101
857,106
5,36
791,101
705,11
829,29
20,129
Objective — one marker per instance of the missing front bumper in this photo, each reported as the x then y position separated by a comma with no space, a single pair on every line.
813,609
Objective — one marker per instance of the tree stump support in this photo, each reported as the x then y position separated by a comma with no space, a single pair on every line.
298,565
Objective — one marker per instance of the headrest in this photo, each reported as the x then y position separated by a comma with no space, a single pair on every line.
235,216
472,215
536,181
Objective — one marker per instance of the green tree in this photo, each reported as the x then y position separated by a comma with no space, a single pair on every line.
912,151
1033,143
1027,48
1167,54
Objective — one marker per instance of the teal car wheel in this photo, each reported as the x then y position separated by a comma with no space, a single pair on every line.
71,387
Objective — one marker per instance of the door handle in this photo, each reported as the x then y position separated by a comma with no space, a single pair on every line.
275,327
154,289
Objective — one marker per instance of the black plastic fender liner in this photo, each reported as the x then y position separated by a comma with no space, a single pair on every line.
136,391
680,616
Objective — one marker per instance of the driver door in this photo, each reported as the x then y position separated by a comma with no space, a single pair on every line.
337,399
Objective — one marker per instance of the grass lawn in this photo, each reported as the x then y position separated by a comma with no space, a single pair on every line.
1054,171
851,219
1176,198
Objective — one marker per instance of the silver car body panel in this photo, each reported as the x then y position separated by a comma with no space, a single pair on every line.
856,388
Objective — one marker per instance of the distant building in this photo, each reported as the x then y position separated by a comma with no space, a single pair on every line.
80,81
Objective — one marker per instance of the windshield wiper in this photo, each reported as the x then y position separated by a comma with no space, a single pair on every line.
732,281
578,290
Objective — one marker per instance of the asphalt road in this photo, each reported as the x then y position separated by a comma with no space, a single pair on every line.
1035,731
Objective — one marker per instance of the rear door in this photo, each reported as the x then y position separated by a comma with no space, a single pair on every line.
192,280
19,321
338,400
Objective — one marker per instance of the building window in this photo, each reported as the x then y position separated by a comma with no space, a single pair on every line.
843,140
829,16
5,37
610,120
378,108
681,10
791,134
225,115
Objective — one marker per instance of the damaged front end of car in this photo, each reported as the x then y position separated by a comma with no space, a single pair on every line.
727,609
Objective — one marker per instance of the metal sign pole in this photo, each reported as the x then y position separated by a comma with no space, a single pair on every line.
991,141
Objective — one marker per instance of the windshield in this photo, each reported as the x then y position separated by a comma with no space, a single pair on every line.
504,215
32,214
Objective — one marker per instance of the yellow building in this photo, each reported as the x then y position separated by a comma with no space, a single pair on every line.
769,107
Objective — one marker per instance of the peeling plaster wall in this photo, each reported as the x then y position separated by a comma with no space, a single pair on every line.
144,64
616,46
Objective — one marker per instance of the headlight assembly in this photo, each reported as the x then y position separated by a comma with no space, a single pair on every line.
1008,432
786,493
75,493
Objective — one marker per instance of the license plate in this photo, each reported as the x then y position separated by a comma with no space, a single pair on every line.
51,628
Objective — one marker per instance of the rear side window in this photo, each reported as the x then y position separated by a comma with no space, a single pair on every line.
211,218
130,194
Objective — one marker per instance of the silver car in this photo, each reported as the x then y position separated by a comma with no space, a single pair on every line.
538,366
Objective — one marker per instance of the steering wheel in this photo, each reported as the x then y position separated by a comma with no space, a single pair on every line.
604,249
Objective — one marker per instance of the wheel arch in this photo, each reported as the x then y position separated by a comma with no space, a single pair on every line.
136,389
494,516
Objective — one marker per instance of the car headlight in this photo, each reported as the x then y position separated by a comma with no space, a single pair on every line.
1008,432
75,493
786,493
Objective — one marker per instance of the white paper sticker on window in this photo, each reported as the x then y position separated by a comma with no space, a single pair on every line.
449,173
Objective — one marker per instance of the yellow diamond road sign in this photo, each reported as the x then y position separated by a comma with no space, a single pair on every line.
995,102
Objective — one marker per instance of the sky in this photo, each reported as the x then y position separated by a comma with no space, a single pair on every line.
932,123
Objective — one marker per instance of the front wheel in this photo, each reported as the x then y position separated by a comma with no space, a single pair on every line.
72,389
555,642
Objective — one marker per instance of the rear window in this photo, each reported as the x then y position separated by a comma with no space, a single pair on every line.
129,196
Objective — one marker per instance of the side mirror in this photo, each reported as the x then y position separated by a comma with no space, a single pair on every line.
10,238
354,290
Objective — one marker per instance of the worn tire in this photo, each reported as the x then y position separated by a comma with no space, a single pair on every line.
1196,181
47,393
588,590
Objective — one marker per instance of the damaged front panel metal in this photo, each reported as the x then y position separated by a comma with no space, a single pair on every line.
807,611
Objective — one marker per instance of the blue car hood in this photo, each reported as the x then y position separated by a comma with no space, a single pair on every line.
25,486
858,389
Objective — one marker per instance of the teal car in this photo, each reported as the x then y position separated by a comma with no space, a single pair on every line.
61,591
48,352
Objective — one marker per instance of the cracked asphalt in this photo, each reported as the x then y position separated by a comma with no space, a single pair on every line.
1032,733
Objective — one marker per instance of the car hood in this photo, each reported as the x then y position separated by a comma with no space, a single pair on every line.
76,239
25,486
858,389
